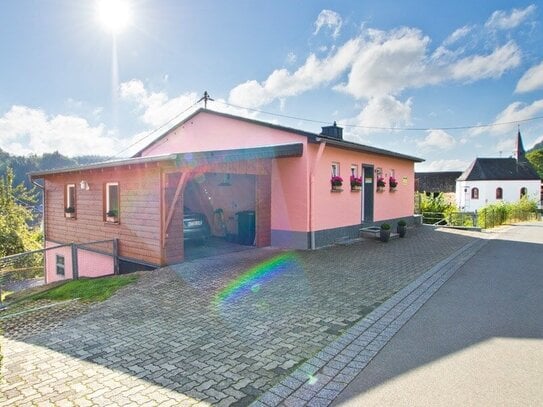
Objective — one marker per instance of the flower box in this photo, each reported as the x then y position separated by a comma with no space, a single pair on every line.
336,182
69,212
112,217
393,183
356,183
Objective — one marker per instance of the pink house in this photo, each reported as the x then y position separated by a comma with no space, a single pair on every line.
223,166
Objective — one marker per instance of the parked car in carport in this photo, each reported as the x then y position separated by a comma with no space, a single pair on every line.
195,226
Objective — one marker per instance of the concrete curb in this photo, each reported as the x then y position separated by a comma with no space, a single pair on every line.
319,380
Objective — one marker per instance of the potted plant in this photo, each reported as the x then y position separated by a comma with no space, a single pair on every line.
336,182
393,183
112,216
69,212
381,184
356,183
401,228
384,233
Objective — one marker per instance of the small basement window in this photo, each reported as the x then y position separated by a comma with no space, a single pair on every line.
60,264
112,207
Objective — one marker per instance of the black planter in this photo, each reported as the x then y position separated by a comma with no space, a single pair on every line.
402,230
384,235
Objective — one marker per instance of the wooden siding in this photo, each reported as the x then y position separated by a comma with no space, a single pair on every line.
140,213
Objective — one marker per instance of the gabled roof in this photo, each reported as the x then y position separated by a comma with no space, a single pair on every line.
506,169
313,137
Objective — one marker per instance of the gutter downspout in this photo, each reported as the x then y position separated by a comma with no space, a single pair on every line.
320,151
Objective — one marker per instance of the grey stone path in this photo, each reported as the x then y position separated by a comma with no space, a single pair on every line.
322,378
225,330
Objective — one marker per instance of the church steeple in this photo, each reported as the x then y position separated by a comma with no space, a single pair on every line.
520,152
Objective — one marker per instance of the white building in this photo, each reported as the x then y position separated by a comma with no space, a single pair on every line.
490,180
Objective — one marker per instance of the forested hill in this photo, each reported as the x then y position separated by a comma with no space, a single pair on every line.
22,165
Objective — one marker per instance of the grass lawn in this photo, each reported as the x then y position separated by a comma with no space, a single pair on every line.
86,289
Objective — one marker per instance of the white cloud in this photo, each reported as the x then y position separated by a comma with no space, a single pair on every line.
281,83
442,165
388,62
457,35
437,139
157,107
501,20
379,63
515,112
478,67
24,130
382,112
329,19
531,80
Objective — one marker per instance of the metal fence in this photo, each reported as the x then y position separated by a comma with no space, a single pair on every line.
26,270
485,218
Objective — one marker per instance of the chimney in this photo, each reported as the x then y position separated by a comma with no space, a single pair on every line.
333,131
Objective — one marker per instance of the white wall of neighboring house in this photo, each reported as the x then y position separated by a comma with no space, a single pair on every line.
487,192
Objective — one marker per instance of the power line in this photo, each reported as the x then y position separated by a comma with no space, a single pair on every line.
156,129
207,98
467,127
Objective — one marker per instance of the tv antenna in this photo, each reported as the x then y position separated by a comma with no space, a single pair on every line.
205,98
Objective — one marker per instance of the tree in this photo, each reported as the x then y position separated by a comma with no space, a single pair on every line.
15,234
535,157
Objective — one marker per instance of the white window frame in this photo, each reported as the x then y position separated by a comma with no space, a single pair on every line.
335,169
355,168
69,202
108,203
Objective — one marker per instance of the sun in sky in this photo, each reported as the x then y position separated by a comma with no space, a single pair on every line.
114,15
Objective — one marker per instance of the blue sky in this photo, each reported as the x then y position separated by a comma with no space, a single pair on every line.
397,75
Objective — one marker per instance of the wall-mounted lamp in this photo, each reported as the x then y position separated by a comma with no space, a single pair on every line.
84,185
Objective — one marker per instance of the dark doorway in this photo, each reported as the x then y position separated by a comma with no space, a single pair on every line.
367,203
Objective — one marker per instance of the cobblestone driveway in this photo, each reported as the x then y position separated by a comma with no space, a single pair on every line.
188,334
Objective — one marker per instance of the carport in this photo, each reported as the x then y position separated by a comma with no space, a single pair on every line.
220,184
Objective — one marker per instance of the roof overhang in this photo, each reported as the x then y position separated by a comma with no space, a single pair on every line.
189,159
363,148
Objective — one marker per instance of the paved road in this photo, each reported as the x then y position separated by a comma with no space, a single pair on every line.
477,341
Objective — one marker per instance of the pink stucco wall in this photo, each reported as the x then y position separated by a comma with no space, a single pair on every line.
206,132
50,262
336,209
92,264
89,263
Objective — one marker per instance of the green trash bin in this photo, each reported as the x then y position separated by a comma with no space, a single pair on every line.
246,227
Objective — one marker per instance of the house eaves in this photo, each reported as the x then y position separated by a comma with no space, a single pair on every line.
105,164
189,159
348,145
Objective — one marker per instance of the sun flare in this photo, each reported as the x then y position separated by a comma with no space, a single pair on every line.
114,15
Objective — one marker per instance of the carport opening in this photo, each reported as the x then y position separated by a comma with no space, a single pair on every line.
219,214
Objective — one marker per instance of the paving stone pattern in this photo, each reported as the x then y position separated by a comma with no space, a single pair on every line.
318,381
172,339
